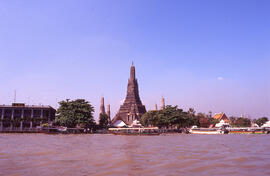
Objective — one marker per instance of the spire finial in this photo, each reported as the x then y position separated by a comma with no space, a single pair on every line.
132,72
132,63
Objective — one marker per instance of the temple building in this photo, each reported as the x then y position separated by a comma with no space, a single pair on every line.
132,108
221,116
20,117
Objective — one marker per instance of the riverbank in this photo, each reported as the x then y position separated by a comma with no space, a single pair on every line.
141,131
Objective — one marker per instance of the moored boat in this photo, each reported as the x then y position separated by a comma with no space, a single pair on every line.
135,131
196,130
248,130
62,130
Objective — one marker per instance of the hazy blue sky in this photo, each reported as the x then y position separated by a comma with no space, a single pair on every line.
210,55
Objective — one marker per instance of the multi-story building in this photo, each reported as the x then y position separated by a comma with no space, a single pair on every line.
21,117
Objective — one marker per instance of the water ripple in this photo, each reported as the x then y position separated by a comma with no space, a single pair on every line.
39,154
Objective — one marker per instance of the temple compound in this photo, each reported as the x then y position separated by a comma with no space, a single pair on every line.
20,117
132,109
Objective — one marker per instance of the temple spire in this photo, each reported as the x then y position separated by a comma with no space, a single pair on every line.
109,113
102,107
132,72
132,107
162,103
155,107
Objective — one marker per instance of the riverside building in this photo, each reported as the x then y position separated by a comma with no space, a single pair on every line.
21,117
221,116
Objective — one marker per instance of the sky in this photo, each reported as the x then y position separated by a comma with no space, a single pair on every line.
210,55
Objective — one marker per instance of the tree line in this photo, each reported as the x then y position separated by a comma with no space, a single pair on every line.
247,122
174,117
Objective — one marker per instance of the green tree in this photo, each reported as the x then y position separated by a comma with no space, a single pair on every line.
176,117
75,113
261,121
233,120
150,118
103,121
193,119
242,122
191,112
170,116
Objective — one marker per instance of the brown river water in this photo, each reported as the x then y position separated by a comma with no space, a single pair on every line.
176,154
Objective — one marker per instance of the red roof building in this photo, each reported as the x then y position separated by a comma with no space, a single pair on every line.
221,116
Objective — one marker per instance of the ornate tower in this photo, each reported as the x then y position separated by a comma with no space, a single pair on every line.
155,107
132,108
102,107
109,113
162,103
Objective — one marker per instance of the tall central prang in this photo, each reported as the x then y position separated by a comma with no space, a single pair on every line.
132,108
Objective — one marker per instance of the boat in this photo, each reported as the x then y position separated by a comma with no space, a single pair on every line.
135,131
196,130
248,130
62,130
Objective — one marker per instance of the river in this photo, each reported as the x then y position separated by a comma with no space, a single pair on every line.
93,154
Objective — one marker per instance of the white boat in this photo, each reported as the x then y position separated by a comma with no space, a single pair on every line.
195,130
135,131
